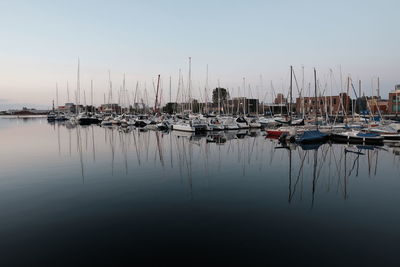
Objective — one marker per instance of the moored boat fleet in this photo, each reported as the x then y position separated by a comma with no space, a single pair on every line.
299,130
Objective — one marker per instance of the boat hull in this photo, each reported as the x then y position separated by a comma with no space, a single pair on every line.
339,138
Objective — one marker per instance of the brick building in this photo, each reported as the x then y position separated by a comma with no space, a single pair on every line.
280,99
324,104
394,101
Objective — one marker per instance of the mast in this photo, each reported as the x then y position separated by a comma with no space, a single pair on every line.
206,91
58,110
189,84
158,87
91,93
261,88
378,89
244,96
67,91
359,95
84,101
372,95
135,102
78,88
123,97
290,100
330,101
397,101
170,99
346,104
315,93
219,99
302,90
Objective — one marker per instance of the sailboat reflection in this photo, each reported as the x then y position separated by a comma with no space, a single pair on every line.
196,159
328,162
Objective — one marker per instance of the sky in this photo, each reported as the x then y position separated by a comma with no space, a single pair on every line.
41,42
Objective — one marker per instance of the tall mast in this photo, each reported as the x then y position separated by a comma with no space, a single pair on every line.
372,94
170,99
263,100
91,93
179,88
397,101
189,84
206,90
84,100
330,101
244,96
78,87
315,93
378,89
135,102
359,96
123,100
219,99
158,86
110,100
290,100
348,89
58,110
68,91
302,91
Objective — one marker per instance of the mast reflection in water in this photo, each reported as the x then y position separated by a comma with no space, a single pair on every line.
75,195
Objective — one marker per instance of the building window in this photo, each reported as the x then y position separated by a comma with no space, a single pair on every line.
334,101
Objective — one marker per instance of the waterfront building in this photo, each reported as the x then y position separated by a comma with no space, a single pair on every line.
110,108
240,105
324,104
280,99
394,100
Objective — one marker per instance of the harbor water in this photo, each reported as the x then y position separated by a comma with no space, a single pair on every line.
91,195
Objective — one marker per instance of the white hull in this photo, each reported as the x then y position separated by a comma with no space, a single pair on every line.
243,125
183,127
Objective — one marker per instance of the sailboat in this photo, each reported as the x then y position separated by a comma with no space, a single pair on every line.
312,136
287,130
357,137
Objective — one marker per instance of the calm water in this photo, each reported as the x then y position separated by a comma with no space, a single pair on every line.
91,195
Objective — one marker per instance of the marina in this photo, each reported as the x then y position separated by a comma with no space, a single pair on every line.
199,133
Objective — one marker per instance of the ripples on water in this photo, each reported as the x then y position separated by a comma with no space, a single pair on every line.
91,195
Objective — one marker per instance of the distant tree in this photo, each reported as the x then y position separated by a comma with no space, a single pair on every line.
223,95
170,107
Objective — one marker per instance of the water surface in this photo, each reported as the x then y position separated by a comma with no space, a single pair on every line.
79,195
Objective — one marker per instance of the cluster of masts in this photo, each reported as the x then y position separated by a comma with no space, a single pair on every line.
303,128
137,100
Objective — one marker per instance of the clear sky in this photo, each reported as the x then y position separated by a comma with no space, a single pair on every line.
42,40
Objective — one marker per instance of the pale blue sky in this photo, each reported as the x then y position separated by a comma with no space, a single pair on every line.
41,41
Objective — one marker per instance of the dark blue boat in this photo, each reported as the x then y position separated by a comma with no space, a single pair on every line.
312,136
